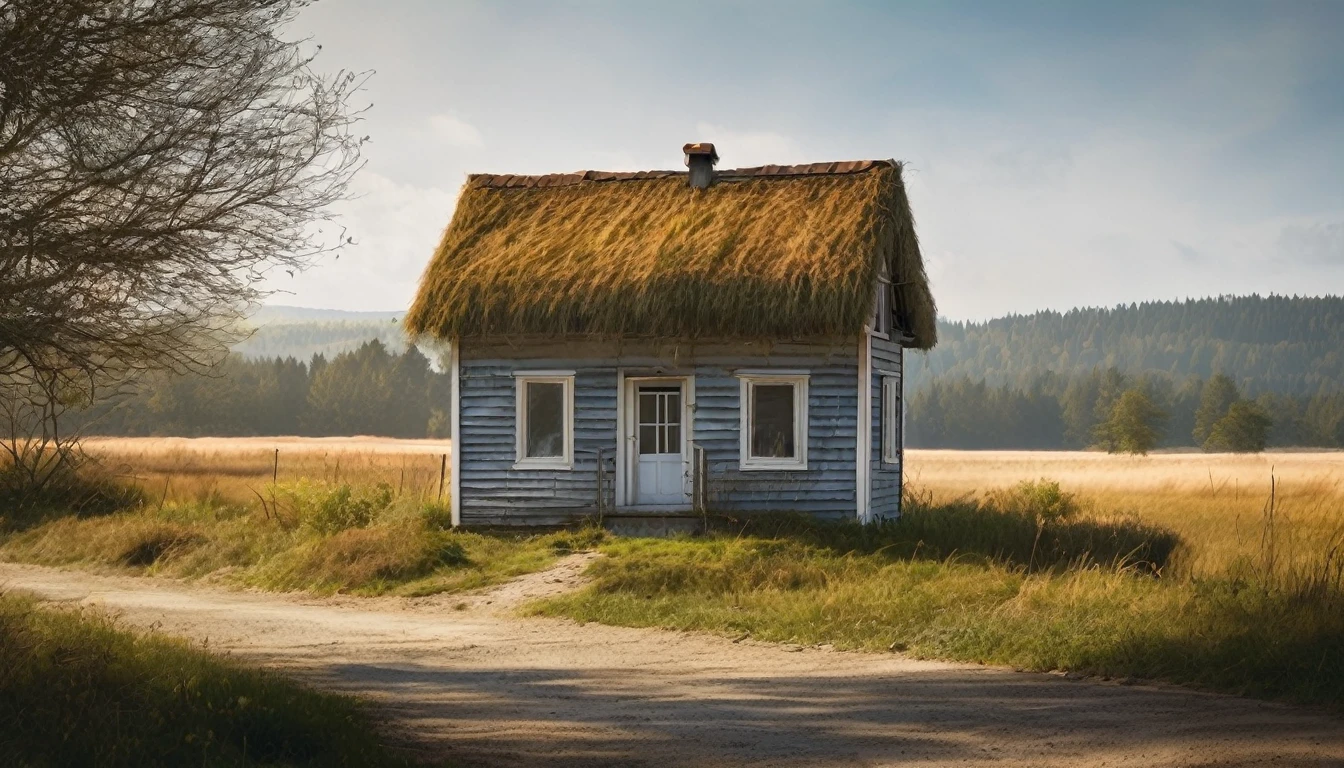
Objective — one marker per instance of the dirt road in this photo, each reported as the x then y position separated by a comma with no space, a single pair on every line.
481,687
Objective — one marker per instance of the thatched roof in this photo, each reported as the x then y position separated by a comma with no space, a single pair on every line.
770,252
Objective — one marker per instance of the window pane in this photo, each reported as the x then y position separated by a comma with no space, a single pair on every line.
648,439
648,408
673,444
674,408
772,421
545,420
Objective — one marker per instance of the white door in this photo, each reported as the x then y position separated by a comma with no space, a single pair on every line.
659,465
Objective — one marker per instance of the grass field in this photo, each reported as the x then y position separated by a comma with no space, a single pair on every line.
1182,567
77,690
1217,503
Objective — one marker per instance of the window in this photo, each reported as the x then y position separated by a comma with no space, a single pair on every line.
774,421
891,420
545,420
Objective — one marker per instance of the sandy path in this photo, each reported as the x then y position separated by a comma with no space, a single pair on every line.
481,687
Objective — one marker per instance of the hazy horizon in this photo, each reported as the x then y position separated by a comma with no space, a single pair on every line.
1059,156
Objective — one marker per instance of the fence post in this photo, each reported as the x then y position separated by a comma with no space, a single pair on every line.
699,478
275,468
443,470
601,496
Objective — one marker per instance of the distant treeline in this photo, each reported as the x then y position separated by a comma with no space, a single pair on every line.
1289,345
302,339
1046,380
367,391
1067,412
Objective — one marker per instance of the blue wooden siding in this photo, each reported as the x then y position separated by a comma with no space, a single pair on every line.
493,492
886,478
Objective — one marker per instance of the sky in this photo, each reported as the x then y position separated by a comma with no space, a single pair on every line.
1059,154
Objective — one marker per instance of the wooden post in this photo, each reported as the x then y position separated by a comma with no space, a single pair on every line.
275,468
443,471
601,497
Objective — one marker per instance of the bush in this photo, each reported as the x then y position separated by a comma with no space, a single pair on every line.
1040,500
328,510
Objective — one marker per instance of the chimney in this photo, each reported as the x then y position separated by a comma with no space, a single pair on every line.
700,158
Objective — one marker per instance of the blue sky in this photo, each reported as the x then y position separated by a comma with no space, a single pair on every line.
1061,154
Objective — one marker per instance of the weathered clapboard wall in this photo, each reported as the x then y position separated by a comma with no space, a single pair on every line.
885,502
493,492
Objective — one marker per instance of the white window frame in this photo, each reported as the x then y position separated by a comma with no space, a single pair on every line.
799,380
891,420
520,382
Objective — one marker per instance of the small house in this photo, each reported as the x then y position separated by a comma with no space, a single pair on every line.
657,342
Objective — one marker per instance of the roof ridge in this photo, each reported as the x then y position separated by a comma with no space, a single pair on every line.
510,180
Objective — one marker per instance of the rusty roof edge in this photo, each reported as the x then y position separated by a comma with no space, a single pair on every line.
516,181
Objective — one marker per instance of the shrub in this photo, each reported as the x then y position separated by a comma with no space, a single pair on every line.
327,510
1040,500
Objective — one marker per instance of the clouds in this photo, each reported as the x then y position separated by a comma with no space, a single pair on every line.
748,148
455,132
1072,155
1316,243
396,227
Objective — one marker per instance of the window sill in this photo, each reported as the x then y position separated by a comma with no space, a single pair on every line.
543,464
760,465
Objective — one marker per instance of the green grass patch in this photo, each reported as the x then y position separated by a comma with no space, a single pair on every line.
77,690
991,583
300,536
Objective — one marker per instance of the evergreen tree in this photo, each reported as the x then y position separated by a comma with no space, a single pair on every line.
1217,397
1134,424
1243,430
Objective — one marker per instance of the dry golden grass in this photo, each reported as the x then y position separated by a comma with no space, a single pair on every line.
1216,502
236,469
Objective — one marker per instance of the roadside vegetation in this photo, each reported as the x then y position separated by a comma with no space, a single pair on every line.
1225,572
364,536
1028,577
77,690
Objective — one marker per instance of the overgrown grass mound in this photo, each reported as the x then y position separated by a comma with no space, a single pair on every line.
76,690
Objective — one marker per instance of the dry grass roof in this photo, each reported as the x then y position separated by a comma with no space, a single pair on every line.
770,252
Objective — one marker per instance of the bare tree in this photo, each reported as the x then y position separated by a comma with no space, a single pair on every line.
157,159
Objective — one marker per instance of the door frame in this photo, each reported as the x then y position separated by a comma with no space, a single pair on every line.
626,457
